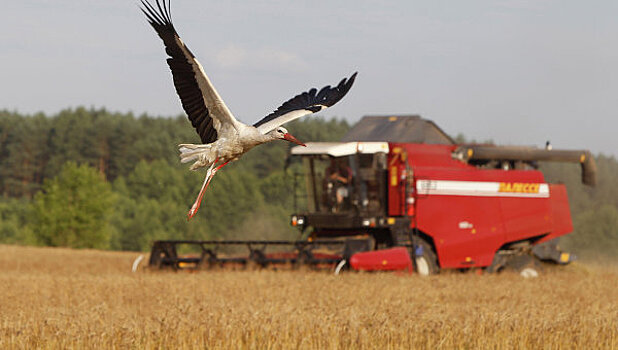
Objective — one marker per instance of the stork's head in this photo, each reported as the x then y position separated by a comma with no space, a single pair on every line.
282,134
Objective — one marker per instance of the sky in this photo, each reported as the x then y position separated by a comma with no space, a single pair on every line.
516,72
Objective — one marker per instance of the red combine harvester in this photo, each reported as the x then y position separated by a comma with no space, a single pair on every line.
397,192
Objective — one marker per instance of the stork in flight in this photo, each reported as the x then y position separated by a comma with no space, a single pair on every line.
224,138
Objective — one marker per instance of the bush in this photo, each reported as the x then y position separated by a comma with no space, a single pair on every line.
73,209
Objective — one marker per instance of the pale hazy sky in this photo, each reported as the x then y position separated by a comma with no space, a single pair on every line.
517,72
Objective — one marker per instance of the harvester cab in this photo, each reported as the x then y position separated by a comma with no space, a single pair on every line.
343,186
377,200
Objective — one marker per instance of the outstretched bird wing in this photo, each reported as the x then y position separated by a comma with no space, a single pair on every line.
203,105
306,103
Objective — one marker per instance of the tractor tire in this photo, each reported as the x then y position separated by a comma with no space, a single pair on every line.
425,261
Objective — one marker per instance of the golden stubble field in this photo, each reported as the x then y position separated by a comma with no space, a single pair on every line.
60,298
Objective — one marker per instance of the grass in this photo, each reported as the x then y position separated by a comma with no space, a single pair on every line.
60,298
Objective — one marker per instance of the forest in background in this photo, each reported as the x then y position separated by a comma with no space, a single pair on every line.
125,173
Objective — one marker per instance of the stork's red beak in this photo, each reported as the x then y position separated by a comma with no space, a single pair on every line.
291,138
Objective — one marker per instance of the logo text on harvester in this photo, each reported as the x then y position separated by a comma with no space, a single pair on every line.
519,187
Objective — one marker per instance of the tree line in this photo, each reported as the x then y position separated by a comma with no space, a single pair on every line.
90,178
116,178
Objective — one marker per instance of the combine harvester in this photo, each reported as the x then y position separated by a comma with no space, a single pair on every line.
398,193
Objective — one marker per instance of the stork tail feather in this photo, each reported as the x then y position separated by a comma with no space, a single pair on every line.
200,154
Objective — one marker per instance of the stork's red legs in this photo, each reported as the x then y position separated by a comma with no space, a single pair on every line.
209,175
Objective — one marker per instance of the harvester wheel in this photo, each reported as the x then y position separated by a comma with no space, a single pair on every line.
425,261
525,264
529,272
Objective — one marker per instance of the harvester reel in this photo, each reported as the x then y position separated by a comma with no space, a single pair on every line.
256,260
304,259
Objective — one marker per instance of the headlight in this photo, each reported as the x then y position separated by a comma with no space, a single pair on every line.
298,220
369,222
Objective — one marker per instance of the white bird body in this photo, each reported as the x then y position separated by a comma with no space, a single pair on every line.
230,147
224,138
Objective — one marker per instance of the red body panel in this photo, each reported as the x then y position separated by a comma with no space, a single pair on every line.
471,212
525,217
394,259
459,244
561,213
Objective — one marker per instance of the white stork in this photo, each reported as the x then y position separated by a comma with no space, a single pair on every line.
225,138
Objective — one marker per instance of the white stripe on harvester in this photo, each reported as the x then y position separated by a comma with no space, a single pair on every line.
482,188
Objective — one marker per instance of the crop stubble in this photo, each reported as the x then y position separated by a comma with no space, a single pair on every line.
60,298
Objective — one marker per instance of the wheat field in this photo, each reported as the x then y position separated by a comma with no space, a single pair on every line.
61,298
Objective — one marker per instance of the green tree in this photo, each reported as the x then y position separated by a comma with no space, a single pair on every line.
153,202
14,214
27,156
278,188
9,122
73,209
597,233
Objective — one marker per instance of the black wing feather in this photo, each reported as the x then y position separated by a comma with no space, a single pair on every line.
312,100
182,70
